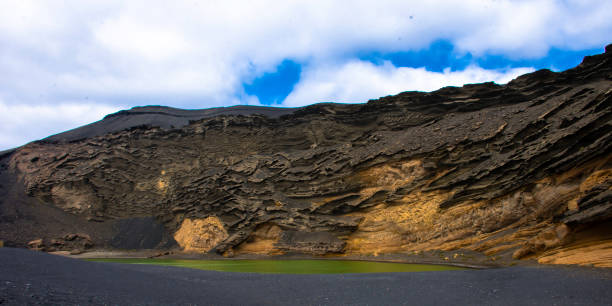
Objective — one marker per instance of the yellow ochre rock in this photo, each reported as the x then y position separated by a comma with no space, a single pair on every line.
200,235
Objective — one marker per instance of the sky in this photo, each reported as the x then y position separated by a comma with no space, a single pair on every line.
67,63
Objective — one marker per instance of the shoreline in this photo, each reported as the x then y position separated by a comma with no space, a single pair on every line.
466,259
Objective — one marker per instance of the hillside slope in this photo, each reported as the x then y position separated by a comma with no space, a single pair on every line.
521,169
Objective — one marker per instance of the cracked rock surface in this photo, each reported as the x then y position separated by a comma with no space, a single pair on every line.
521,169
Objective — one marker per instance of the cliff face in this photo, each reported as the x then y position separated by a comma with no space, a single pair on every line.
523,168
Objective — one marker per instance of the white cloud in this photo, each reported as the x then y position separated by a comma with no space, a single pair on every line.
153,42
21,123
208,48
359,81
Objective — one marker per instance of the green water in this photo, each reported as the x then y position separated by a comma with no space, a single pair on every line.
287,266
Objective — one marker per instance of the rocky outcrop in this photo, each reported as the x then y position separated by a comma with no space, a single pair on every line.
75,243
317,243
521,169
200,235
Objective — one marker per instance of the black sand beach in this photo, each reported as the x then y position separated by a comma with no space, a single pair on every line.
28,277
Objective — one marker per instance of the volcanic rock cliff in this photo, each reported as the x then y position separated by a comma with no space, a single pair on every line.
522,169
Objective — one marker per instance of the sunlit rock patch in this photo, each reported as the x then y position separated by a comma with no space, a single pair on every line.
200,235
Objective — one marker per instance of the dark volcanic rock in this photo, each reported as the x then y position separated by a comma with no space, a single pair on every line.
140,233
485,167
318,243
159,116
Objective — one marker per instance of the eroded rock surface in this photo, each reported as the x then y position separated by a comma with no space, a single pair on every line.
522,169
200,235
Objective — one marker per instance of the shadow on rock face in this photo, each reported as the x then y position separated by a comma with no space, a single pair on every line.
140,233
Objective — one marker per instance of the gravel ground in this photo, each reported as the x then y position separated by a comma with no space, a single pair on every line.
28,277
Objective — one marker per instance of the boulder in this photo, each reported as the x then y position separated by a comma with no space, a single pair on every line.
36,244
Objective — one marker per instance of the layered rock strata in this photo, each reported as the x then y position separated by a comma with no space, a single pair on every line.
522,169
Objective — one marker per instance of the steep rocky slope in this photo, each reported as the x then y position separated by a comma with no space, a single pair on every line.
522,169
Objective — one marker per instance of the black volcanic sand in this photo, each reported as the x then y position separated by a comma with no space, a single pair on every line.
28,277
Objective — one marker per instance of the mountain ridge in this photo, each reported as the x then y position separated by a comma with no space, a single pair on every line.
521,170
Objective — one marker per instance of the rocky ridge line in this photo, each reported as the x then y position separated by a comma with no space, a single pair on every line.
520,169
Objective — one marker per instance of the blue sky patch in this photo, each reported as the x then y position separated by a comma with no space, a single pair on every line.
441,55
274,87
556,60
436,58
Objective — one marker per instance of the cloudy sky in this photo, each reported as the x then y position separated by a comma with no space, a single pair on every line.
67,63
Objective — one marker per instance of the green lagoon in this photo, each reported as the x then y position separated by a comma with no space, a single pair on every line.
286,266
